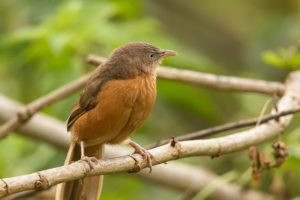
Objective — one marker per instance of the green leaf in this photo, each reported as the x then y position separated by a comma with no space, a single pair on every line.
288,58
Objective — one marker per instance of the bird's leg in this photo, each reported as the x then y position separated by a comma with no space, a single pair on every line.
82,149
90,160
143,152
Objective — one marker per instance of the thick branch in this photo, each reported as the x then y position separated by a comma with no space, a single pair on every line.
212,81
226,127
193,178
162,154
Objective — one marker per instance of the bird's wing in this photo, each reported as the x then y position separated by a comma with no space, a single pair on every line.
76,112
88,99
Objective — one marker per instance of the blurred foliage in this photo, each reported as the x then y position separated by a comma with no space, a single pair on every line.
210,188
43,45
288,58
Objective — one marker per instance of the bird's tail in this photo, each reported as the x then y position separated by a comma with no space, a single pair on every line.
88,188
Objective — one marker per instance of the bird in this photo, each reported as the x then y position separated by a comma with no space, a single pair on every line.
115,102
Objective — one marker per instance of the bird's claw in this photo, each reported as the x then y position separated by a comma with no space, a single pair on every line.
144,153
92,161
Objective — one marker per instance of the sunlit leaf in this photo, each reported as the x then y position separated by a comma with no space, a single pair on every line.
284,58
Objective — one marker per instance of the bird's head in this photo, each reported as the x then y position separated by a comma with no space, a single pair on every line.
138,57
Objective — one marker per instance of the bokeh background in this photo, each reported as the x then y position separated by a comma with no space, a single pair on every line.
43,45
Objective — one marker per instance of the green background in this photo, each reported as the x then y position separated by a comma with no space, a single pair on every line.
43,45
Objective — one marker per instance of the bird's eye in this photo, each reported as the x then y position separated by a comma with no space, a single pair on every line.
151,55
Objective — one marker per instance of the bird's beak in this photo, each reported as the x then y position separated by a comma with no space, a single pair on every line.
167,53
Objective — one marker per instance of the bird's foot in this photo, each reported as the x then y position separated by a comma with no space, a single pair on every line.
92,161
143,152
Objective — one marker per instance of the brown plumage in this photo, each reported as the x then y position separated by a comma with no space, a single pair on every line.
114,103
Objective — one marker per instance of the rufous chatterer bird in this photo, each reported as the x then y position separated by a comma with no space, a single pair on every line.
115,102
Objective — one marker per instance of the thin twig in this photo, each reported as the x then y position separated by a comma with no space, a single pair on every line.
262,113
28,111
226,127
24,114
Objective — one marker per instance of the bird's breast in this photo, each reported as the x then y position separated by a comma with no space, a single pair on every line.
146,95
123,106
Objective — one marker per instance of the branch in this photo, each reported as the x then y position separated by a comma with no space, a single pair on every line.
25,113
40,126
53,131
210,147
226,127
212,81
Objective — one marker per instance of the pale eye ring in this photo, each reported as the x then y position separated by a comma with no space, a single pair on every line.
151,55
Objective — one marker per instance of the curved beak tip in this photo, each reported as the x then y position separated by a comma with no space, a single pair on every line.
167,53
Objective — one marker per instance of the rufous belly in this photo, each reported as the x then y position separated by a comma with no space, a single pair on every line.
123,107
